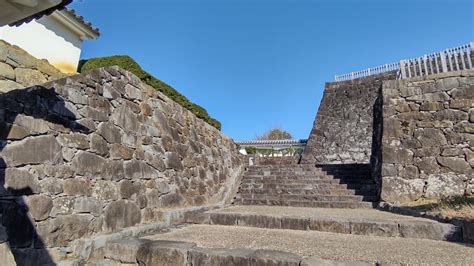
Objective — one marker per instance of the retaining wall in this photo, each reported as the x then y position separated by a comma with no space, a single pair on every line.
342,131
428,137
101,152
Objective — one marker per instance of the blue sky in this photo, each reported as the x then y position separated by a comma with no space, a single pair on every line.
257,64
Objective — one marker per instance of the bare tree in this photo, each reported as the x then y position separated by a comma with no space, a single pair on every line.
274,134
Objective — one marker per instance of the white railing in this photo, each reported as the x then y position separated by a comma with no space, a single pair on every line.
368,72
454,59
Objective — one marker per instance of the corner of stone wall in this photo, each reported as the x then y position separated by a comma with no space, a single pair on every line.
428,137
19,69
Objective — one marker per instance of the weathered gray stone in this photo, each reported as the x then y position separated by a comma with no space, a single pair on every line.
124,250
430,97
8,85
444,184
436,231
118,151
396,189
7,257
39,206
93,113
125,119
98,145
62,206
463,93
61,230
120,214
20,181
88,205
173,161
77,187
29,77
409,172
427,165
271,257
42,149
430,137
452,115
314,261
105,190
88,163
166,253
374,228
129,189
74,140
110,132
458,165
330,225
218,256
20,228
431,106
6,71
135,169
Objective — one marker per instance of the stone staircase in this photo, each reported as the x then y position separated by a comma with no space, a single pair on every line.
304,185
277,219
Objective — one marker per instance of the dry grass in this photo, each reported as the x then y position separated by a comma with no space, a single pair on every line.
457,206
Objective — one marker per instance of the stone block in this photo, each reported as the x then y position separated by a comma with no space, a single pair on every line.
430,97
7,71
7,256
166,253
433,230
260,221
33,150
19,227
109,132
294,223
62,206
120,214
135,169
218,256
124,250
430,137
374,228
330,225
88,205
443,185
29,77
77,187
263,257
396,189
197,217
314,261
224,218
9,85
20,182
455,164
39,206
60,231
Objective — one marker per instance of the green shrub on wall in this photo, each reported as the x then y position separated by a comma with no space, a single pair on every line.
129,64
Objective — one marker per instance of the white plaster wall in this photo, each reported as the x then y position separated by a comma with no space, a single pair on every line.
47,39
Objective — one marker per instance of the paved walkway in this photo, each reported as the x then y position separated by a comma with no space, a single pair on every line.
340,247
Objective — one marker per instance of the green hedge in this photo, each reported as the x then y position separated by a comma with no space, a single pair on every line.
129,64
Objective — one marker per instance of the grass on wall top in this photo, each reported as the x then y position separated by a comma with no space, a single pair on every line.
129,64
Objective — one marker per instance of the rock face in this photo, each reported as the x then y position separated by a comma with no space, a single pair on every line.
342,131
97,153
434,133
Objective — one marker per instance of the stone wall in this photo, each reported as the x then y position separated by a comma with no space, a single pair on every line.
428,137
100,152
343,128
19,69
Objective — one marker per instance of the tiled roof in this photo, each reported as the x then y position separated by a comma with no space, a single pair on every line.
273,142
81,20
39,15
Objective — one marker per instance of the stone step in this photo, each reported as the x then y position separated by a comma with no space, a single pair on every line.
296,177
321,191
357,187
171,252
350,198
306,203
308,181
229,245
343,221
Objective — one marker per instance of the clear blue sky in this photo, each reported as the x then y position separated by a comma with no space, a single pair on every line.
257,64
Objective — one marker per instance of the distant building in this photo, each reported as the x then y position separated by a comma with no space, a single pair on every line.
56,37
272,148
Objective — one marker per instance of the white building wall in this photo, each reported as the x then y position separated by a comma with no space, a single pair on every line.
48,39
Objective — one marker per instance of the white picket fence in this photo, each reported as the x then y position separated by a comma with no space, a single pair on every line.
454,59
